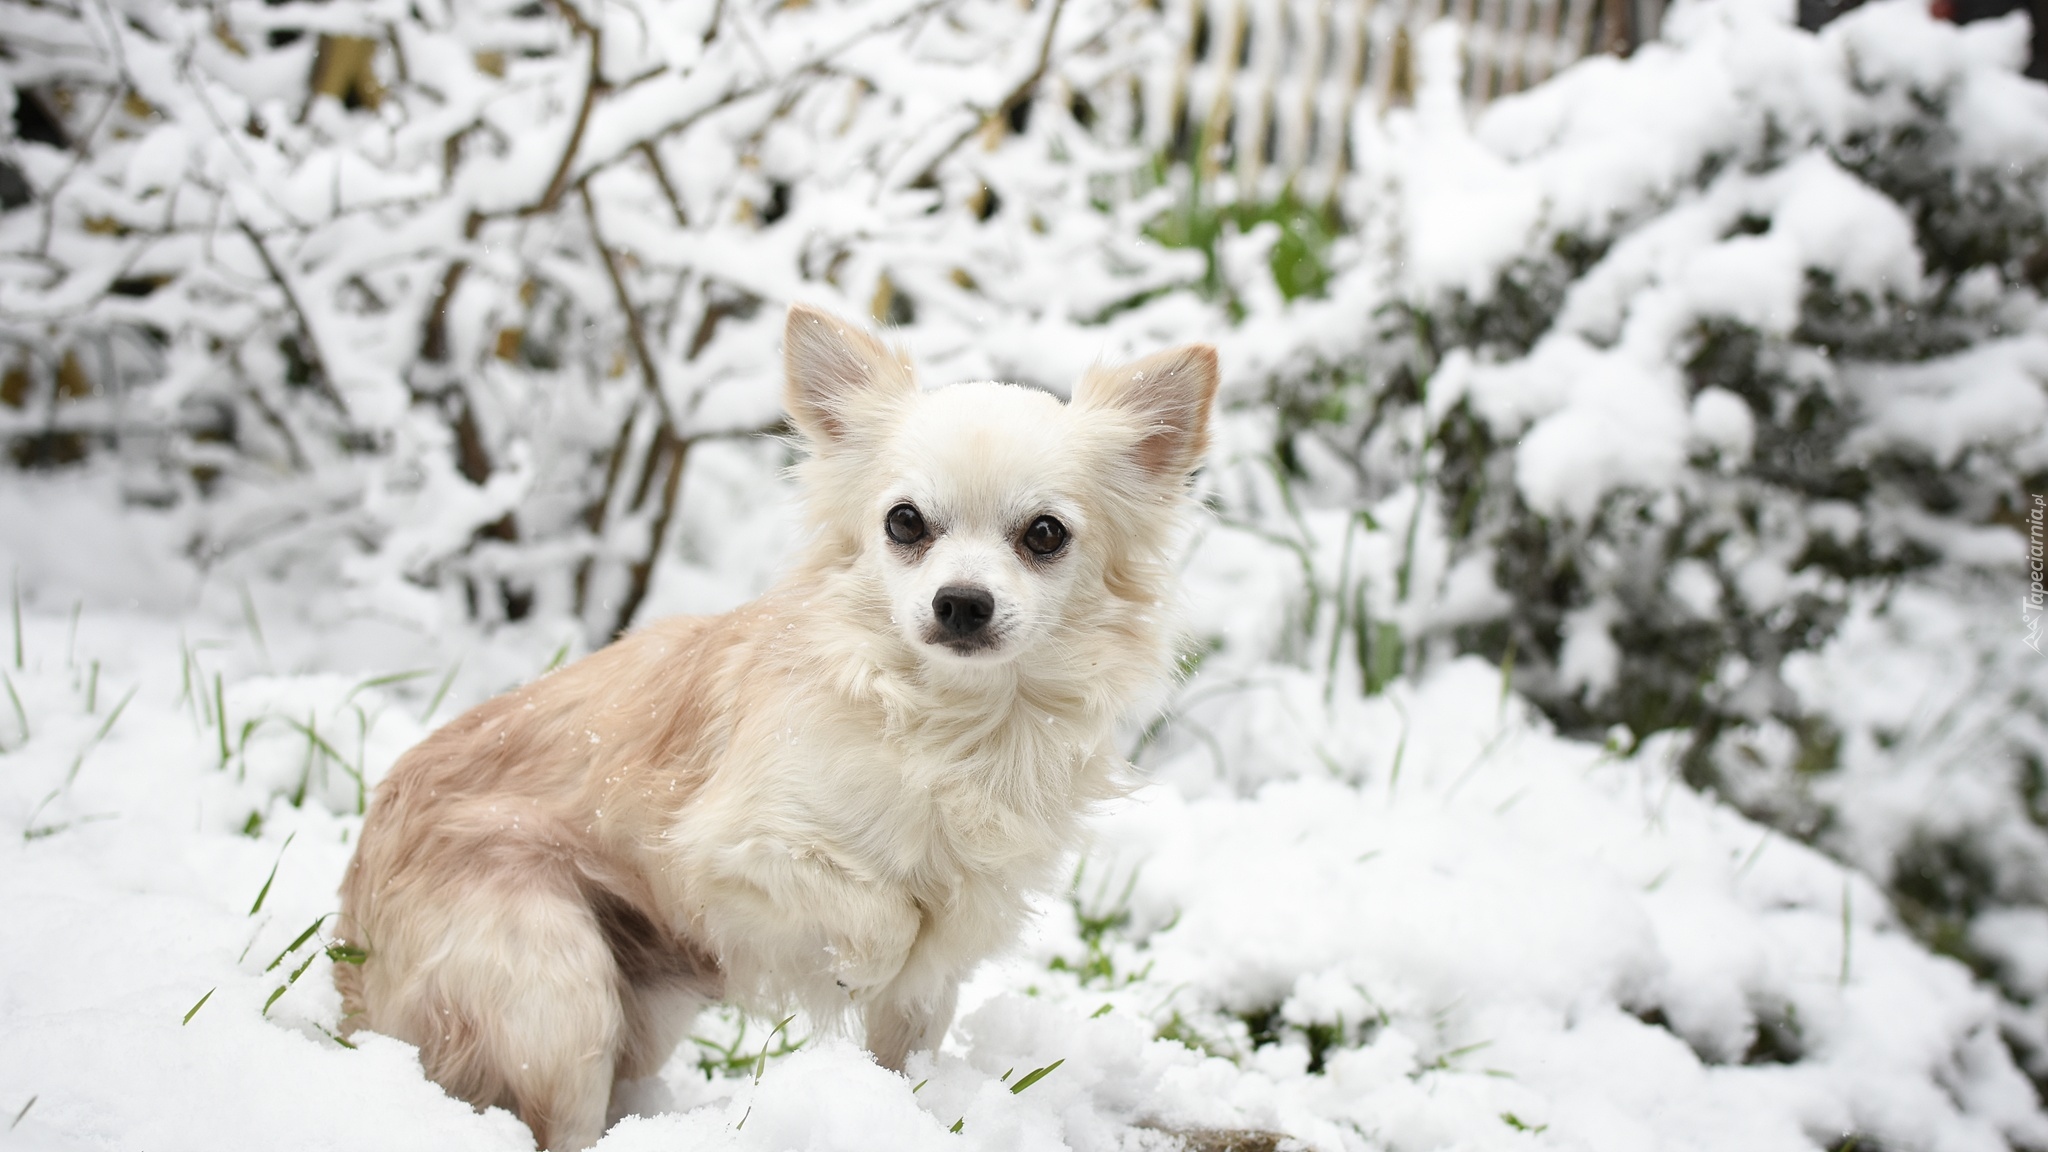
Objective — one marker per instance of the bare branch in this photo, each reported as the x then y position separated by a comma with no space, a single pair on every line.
668,188
636,332
641,574
1009,103
593,87
309,345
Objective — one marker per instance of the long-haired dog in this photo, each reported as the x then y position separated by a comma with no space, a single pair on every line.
838,797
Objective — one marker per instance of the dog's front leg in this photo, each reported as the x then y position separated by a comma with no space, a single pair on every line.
900,1022
913,1013
871,936
793,921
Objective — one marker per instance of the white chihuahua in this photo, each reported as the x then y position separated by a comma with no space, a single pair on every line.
839,796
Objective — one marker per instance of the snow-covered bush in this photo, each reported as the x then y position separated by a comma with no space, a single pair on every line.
1708,391
438,298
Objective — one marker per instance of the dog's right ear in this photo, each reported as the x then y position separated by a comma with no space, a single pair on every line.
834,368
1170,394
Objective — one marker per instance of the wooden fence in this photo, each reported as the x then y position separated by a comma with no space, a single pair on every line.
1265,88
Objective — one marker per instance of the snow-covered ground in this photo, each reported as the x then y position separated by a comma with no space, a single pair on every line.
1433,924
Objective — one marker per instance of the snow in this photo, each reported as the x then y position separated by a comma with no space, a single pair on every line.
1368,897
1481,919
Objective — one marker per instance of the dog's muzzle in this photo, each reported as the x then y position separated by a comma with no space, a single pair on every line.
961,614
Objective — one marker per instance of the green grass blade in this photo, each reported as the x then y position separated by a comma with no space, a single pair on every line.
29,829
1034,1076
258,905
387,678
220,713
113,716
1847,922
761,1062
255,625
1400,752
20,713
194,1011
294,945
337,1039
105,727
441,693
288,982
317,742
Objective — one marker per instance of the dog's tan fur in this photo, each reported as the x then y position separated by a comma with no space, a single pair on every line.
808,801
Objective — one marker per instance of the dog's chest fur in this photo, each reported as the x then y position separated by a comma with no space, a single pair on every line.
847,821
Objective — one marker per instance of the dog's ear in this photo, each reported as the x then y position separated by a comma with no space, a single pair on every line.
832,367
1171,392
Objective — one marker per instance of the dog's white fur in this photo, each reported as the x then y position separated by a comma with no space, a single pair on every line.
821,799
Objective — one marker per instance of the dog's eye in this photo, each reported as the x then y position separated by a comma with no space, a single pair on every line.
1045,536
904,525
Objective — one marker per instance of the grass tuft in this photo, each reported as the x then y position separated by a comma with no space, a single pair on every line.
316,747
735,1057
1101,923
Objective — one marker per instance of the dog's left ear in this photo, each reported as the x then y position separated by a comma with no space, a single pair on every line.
1171,392
833,369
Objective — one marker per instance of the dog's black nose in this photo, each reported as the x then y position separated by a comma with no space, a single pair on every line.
962,610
